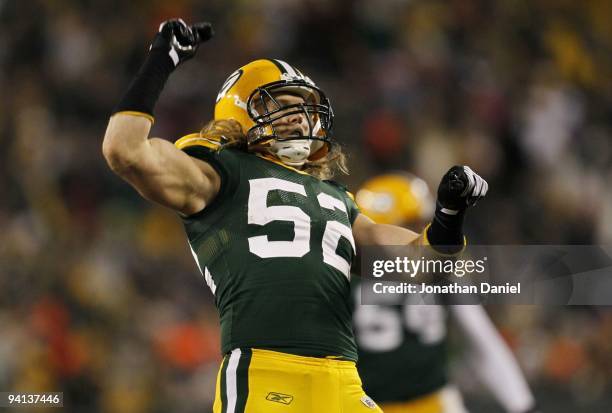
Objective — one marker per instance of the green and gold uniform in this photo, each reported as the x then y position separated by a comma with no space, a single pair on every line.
402,354
275,247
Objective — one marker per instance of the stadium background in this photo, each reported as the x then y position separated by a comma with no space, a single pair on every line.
99,296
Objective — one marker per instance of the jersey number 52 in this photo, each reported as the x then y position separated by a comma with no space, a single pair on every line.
259,213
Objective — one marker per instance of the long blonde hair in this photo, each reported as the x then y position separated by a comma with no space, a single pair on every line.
230,131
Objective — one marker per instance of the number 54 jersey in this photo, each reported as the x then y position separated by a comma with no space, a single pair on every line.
275,247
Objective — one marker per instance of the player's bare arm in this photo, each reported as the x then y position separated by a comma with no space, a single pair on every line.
157,169
459,189
367,232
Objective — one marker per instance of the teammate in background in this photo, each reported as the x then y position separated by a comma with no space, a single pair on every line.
403,348
272,236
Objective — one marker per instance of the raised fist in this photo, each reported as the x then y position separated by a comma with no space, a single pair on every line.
460,188
180,40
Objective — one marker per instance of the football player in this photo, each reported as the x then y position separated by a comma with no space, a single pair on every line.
402,348
272,236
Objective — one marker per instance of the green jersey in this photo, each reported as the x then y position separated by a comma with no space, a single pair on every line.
275,246
402,349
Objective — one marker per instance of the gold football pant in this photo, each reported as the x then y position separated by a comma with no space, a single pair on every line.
263,381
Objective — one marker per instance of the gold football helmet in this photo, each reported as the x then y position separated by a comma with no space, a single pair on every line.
248,96
396,198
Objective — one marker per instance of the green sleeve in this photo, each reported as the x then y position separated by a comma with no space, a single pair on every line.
352,208
349,200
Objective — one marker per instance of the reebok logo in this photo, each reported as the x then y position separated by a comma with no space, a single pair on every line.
279,398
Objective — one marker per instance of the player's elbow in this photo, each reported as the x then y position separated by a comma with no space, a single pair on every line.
125,142
119,157
114,156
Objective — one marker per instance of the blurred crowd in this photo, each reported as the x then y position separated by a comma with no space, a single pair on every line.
99,297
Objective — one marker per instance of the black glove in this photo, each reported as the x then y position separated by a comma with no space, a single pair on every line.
459,189
179,40
174,43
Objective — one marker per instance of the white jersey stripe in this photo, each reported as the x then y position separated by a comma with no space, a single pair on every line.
230,380
209,281
207,275
195,257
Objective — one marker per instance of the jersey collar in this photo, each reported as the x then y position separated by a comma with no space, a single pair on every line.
276,161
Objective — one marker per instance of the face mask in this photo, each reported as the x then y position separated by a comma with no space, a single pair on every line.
291,152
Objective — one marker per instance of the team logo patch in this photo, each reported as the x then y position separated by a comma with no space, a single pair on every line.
280,398
367,400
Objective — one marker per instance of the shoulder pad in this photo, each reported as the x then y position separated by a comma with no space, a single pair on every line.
195,139
335,183
341,187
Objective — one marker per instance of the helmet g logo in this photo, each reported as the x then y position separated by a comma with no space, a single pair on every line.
227,85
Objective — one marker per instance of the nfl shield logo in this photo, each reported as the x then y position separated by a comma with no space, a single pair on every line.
367,400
